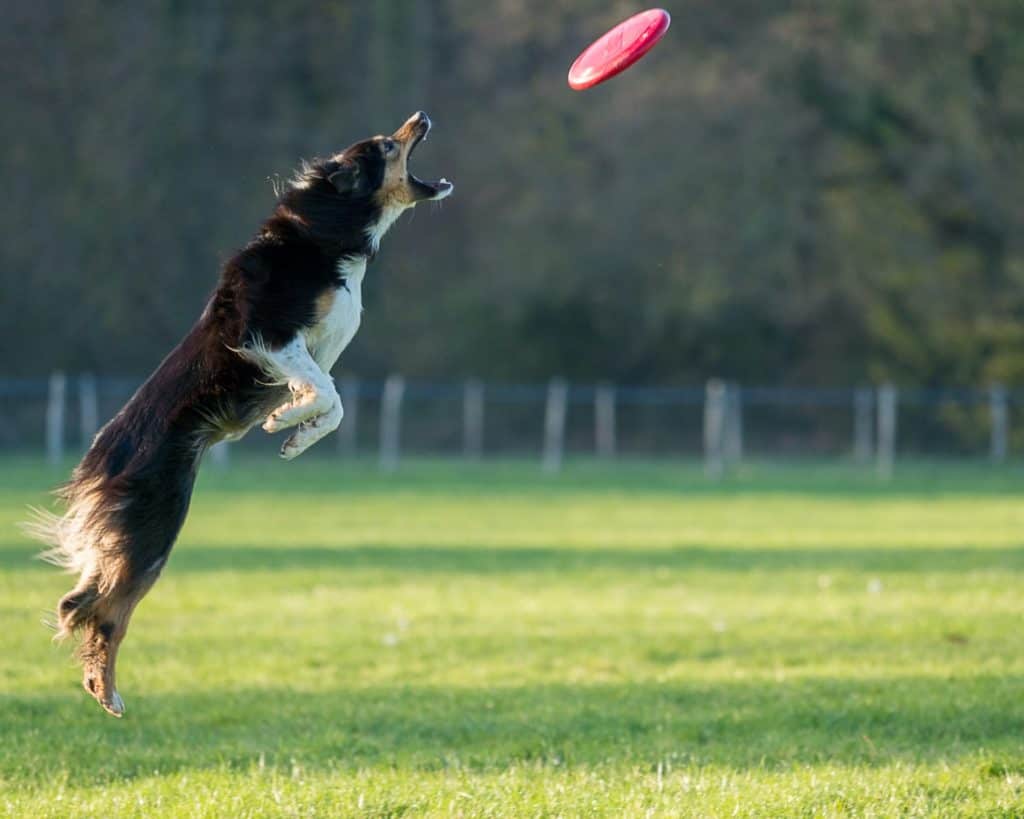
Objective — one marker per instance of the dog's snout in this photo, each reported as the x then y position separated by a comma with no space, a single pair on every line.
416,126
413,129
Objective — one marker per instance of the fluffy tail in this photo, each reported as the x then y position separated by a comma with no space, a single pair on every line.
89,539
74,542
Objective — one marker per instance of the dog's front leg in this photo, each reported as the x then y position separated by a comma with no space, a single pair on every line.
311,431
314,406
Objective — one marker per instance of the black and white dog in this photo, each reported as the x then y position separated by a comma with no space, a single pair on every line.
262,350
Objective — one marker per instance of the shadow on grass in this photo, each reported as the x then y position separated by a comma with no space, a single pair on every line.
737,724
518,560
474,560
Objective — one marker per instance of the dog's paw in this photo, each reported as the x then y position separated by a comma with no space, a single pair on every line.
311,431
297,443
106,695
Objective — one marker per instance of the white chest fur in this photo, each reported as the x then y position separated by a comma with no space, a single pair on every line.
339,323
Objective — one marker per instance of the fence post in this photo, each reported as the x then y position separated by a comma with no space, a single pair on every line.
391,422
88,408
714,428
473,419
863,404
554,424
887,398
732,443
55,418
1000,422
349,393
604,420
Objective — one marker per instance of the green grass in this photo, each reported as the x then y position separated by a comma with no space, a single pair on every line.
478,641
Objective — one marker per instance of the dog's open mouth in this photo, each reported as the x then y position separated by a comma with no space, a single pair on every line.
415,131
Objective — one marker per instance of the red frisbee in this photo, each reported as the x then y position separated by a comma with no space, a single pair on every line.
619,48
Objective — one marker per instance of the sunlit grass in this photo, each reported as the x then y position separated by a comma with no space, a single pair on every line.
482,640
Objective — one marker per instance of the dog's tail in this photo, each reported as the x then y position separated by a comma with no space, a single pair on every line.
45,526
75,542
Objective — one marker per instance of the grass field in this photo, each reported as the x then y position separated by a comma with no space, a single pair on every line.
477,641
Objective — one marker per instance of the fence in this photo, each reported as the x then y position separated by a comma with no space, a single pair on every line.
721,422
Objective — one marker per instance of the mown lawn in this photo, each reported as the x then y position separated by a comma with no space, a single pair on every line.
482,640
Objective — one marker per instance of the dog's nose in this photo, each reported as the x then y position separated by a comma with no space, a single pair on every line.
419,119
416,127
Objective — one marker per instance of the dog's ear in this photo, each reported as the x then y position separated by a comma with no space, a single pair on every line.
348,178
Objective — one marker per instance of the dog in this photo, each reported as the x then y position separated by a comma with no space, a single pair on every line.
285,308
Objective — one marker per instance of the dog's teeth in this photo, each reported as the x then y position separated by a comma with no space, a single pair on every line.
444,181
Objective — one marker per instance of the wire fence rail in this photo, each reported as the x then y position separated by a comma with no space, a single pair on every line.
720,421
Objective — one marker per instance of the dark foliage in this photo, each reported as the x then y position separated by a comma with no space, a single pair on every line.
782,191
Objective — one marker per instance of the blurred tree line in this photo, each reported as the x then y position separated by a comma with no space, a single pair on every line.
782,192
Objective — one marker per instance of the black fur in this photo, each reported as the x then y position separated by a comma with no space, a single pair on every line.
128,498
204,390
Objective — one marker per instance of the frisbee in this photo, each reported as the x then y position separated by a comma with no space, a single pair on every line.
618,49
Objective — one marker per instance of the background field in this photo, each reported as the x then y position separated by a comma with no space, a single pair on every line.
483,641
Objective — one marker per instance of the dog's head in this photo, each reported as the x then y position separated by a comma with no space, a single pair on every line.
359,193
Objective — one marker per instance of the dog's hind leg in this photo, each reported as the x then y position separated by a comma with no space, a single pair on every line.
117,536
100,612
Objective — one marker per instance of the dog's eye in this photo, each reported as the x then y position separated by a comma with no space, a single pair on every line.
390,147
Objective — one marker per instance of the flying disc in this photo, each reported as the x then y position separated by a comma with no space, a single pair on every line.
618,49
